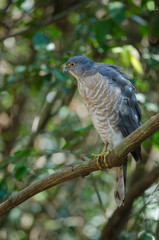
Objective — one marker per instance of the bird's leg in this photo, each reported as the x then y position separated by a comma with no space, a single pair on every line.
102,156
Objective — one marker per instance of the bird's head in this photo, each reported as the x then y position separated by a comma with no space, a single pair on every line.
78,66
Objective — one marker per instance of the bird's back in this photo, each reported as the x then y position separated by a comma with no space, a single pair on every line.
111,101
112,104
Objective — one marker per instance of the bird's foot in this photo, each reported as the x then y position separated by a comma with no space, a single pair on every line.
102,159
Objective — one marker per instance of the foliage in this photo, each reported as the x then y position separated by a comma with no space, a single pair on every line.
45,125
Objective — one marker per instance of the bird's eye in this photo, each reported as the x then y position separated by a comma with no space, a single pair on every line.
72,64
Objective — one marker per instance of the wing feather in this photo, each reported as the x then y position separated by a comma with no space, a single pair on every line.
130,113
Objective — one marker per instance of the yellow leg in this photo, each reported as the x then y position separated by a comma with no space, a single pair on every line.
105,159
102,156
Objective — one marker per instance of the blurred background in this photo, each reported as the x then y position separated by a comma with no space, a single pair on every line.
45,126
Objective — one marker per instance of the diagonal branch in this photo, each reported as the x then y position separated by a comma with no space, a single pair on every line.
45,22
3,11
116,221
115,158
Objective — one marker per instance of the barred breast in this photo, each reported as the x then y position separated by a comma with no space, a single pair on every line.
103,102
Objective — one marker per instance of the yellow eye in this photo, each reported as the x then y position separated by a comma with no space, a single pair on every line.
72,64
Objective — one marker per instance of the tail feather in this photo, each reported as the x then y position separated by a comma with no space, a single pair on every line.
120,184
125,173
137,153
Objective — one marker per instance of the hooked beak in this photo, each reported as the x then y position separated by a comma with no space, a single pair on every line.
65,70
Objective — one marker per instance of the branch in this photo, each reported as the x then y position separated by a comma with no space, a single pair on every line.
45,112
3,10
132,141
16,112
45,22
119,153
116,221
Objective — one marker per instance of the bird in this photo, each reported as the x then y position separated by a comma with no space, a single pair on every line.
112,105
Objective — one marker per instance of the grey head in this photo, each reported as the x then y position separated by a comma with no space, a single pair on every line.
78,66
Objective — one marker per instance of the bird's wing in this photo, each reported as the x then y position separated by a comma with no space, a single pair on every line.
129,120
130,112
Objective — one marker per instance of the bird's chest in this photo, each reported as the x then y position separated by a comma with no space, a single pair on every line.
86,93
102,103
91,90
97,94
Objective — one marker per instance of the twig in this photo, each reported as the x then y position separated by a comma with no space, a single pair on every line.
115,158
98,194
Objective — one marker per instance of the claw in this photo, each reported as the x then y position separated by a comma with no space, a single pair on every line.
102,159
105,159
99,163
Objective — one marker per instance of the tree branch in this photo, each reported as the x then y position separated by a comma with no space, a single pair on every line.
116,222
45,112
115,158
45,22
3,10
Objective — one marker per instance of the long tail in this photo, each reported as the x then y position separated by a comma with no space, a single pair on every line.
120,184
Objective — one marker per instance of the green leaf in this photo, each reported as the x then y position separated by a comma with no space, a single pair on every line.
21,153
136,64
84,130
151,5
54,31
147,238
73,142
11,79
155,139
19,3
3,189
74,17
40,41
59,75
6,99
20,68
144,30
20,171
117,11
102,28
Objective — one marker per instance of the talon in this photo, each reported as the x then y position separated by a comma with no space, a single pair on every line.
95,155
105,159
101,159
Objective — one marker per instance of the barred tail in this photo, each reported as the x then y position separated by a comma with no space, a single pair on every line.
120,184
